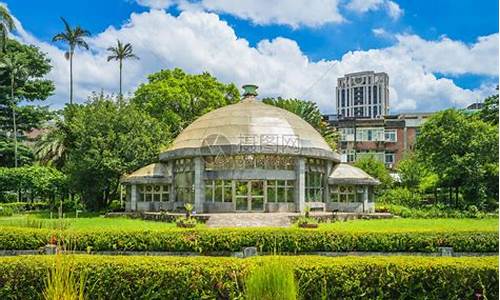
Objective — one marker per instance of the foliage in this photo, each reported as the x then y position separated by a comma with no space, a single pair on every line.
428,212
32,182
106,139
489,113
25,155
61,283
177,99
138,277
6,25
306,220
51,147
400,196
459,150
19,207
75,38
6,211
273,280
376,169
119,53
31,86
308,111
273,240
411,171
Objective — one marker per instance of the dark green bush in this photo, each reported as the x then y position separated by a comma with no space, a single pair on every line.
134,277
430,212
280,240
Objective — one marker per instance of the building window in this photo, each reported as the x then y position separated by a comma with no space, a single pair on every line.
218,191
154,192
280,191
389,158
184,180
390,136
375,112
375,95
315,172
342,193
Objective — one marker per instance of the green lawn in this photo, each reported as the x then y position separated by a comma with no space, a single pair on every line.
96,222
41,220
398,224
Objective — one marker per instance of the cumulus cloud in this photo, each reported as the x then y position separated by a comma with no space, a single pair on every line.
454,57
263,12
201,41
363,6
156,4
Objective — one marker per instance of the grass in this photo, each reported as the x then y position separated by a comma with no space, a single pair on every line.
91,222
273,280
421,225
84,223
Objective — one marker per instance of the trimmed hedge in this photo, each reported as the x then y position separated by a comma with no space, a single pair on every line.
135,277
276,240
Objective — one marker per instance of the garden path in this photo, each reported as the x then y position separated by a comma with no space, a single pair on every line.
249,220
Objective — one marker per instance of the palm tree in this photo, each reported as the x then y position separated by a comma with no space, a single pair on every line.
74,37
50,148
6,25
15,69
119,53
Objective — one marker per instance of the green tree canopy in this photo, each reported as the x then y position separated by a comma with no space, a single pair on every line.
309,112
177,99
489,113
106,139
458,149
375,168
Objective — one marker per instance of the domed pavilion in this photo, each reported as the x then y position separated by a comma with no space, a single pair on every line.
249,157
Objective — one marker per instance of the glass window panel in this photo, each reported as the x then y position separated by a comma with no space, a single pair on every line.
271,193
281,194
228,193
218,193
289,195
156,197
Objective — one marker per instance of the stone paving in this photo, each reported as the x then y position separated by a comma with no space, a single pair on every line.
249,220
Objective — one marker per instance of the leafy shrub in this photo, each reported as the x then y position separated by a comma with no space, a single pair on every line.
306,220
115,205
437,211
188,222
136,277
400,196
19,207
273,280
6,211
273,240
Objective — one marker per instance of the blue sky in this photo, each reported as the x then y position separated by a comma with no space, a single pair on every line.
437,53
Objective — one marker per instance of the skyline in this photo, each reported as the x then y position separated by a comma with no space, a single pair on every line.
290,51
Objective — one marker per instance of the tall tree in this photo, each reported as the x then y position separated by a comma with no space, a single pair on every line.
489,112
6,26
51,147
463,152
309,112
177,99
119,53
13,66
106,139
29,87
74,37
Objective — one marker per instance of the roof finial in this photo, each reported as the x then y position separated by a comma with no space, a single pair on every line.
250,90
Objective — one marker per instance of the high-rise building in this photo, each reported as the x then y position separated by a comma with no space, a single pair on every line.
363,95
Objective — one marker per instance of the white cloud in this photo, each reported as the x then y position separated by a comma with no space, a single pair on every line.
363,6
200,41
454,57
263,12
156,4
393,9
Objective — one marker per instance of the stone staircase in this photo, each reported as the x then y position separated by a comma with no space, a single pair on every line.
249,220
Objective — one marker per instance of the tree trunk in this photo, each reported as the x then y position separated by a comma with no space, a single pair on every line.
120,95
71,77
456,196
14,119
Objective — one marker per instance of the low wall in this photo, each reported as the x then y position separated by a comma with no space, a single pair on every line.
356,207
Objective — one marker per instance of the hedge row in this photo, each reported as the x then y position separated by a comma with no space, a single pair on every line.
119,277
276,240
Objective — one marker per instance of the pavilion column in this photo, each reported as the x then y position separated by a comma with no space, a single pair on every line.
133,197
326,189
300,184
199,187
365,198
171,195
